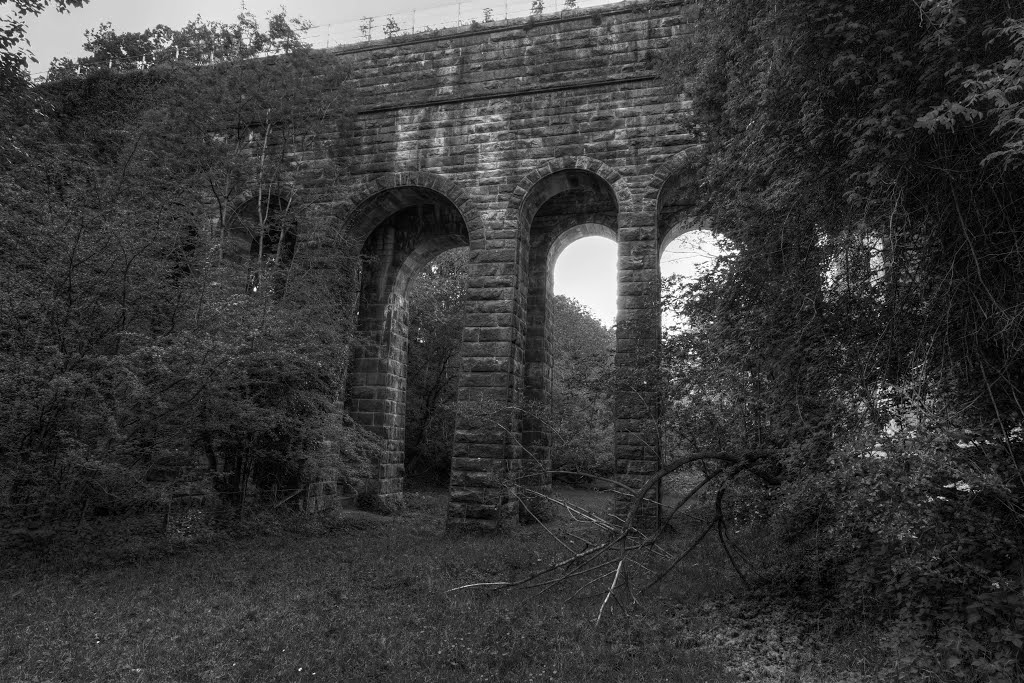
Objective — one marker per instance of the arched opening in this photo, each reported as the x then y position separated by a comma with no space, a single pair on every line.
584,270
583,348
689,251
560,208
405,228
261,235
437,314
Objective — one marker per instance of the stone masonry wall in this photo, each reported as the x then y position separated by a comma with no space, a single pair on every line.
500,118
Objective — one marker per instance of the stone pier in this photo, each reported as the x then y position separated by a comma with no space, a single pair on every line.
512,139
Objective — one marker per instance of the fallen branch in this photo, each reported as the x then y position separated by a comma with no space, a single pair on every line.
615,581
478,585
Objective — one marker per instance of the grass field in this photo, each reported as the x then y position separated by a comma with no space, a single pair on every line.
358,597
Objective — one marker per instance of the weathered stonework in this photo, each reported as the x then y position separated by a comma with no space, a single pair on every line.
512,138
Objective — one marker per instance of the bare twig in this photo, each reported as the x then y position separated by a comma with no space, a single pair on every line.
611,590
487,584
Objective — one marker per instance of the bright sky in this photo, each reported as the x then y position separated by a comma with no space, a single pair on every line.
585,270
60,35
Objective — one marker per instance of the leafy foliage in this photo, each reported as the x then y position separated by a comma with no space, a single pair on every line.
864,343
14,57
138,333
437,311
198,42
581,408
579,412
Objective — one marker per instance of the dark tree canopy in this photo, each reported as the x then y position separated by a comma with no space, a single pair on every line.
198,42
865,342
14,55
136,331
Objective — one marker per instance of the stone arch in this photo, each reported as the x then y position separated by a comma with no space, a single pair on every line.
530,193
260,237
492,451
410,249
249,194
578,232
669,184
400,221
679,161
369,202
243,214
638,324
421,257
673,194
679,228
560,201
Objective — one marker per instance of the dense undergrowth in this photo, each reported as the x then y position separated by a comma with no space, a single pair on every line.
860,345
139,339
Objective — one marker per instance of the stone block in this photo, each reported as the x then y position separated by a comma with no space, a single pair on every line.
478,479
642,469
495,364
637,275
488,334
495,254
476,318
640,310
495,349
648,291
469,435
472,397
476,497
506,306
491,293
638,260
477,457
391,471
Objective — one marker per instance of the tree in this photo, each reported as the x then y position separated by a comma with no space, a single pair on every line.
581,401
14,56
579,412
137,330
863,346
198,42
437,312
391,28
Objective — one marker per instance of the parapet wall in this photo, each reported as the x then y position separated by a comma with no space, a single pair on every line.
498,96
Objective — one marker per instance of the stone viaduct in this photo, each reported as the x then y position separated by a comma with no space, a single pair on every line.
514,139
